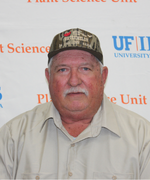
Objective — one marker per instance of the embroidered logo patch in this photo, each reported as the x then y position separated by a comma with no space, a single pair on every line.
67,34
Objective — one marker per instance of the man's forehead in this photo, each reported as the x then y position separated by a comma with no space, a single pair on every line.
74,55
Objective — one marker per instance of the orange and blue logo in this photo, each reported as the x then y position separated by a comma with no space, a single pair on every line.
0,99
131,46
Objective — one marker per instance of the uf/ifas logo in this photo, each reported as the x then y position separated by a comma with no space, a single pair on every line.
141,43
0,99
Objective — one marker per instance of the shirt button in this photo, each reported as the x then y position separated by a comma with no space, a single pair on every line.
70,174
37,177
114,177
72,145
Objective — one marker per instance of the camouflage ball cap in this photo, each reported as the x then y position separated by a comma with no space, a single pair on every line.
76,39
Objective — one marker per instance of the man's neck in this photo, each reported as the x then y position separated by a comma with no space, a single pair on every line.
74,128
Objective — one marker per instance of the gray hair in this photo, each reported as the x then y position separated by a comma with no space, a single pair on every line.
51,60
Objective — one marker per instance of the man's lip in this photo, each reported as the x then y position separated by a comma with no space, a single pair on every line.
77,93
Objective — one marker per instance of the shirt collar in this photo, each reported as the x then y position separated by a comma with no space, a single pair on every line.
104,118
52,114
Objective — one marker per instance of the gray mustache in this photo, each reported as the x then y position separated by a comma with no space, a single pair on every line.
76,90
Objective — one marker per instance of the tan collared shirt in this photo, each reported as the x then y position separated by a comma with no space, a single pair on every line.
35,145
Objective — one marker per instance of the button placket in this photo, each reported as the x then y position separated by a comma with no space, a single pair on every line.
71,159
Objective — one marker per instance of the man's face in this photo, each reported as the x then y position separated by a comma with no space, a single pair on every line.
76,83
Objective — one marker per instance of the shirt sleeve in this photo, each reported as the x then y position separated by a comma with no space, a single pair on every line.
6,153
145,155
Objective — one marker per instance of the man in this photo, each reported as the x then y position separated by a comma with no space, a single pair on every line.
80,135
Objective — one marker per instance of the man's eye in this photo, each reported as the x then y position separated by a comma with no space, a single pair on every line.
86,69
62,70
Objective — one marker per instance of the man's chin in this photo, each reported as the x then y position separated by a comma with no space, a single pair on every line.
76,107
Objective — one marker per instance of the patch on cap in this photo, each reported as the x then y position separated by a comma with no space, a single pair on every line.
76,39
67,34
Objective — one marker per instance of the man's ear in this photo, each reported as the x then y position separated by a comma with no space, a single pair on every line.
47,74
104,74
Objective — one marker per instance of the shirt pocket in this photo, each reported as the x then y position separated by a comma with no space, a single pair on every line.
39,176
113,176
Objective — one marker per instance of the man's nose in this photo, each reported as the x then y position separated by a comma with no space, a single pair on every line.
74,79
